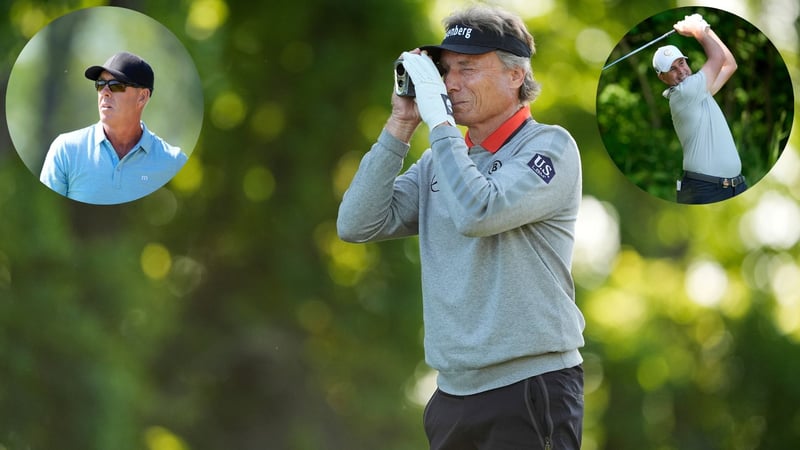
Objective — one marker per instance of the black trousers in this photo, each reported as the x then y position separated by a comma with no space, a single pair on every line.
541,412
695,191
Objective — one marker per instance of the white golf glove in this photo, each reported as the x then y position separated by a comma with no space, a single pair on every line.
432,101
698,18
695,20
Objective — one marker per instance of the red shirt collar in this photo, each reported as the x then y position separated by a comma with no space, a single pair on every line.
501,135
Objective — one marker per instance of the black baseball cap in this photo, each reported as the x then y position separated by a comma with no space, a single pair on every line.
474,41
125,67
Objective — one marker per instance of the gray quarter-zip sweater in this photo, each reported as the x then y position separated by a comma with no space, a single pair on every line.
496,233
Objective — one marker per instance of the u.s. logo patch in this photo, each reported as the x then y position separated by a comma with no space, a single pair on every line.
542,166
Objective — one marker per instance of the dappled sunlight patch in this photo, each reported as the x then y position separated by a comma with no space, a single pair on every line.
713,376
371,121
593,45
205,17
30,17
618,312
160,438
565,77
712,336
190,177
667,298
737,302
774,222
758,267
268,121
155,261
525,8
347,263
780,22
315,316
258,184
228,110
706,282
672,227
652,373
637,277
345,171
787,320
787,169
785,285
186,274
628,269
715,343
422,385
597,242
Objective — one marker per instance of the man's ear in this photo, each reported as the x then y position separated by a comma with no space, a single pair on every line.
144,96
517,76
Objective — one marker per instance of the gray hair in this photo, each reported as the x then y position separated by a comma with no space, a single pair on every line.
489,18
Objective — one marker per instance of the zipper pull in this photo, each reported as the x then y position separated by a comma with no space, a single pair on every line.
547,445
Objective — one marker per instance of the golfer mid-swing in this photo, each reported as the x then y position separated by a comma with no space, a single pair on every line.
711,164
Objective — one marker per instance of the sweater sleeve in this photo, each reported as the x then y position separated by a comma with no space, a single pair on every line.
541,181
379,204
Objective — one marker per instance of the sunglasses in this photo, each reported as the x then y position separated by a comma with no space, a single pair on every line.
113,85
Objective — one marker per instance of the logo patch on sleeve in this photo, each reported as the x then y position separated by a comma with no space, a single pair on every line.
542,166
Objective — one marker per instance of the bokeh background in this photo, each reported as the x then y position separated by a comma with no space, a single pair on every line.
223,312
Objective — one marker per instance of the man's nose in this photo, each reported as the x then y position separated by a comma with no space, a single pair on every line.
450,81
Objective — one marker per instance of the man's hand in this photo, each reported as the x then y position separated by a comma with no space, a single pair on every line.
432,100
692,26
720,63
404,119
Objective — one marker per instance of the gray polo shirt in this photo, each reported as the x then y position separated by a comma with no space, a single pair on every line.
708,145
496,233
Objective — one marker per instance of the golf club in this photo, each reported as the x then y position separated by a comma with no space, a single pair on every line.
668,33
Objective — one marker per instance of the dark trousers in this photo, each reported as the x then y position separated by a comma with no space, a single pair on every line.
541,412
696,191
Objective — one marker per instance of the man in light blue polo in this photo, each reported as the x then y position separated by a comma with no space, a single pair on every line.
118,159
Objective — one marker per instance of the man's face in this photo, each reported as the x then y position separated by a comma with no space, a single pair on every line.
479,86
120,108
678,72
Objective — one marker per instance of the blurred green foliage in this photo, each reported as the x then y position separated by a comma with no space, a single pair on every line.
223,312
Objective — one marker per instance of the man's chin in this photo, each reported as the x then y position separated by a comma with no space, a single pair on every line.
461,118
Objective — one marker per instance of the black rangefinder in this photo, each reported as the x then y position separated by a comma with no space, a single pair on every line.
403,86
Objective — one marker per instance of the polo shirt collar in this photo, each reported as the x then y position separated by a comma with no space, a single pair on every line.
145,142
504,132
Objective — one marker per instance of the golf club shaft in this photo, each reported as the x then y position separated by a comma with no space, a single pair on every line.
663,36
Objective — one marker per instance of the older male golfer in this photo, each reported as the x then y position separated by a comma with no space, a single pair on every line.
495,212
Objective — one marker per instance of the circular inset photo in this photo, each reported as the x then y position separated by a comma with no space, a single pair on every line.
104,105
695,105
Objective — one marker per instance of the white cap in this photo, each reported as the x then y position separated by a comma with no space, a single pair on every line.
665,56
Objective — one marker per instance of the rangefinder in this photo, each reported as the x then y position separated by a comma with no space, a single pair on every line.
403,86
